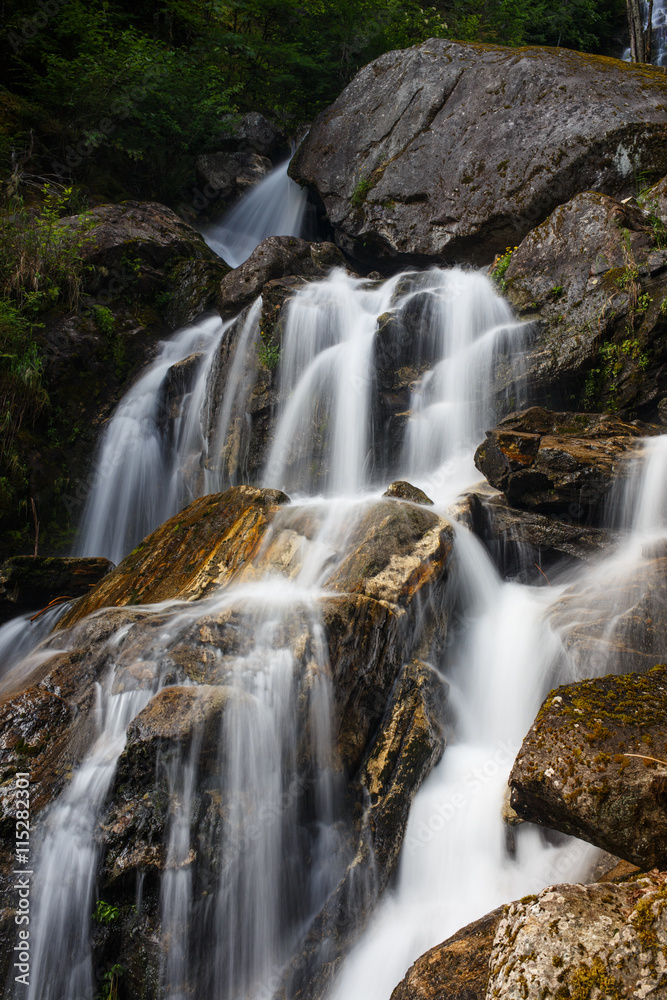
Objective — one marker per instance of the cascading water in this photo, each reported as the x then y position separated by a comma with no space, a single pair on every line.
275,207
270,862
142,474
332,428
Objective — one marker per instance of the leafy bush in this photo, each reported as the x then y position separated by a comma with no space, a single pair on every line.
22,393
41,260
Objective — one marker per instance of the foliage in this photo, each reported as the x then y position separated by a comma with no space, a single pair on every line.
268,353
500,265
105,319
130,94
360,192
105,913
22,393
110,979
41,259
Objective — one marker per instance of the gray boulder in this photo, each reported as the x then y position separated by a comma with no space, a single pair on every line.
447,152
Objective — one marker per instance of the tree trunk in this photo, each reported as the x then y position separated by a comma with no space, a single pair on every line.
640,39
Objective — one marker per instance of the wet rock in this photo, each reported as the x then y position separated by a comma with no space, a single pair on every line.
255,133
275,257
457,969
591,281
28,583
394,552
227,176
525,545
405,491
145,230
192,553
159,737
408,744
177,384
615,619
583,940
447,152
585,769
558,463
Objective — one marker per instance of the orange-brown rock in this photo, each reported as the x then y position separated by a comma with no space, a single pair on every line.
559,463
457,969
192,553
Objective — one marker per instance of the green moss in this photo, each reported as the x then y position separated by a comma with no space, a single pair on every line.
360,192
587,978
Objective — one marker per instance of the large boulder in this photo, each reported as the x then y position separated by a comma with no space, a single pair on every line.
449,152
592,280
275,257
192,553
604,940
592,765
28,583
457,969
600,940
559,463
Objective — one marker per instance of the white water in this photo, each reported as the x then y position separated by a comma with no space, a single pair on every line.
275,207
20,635
142,474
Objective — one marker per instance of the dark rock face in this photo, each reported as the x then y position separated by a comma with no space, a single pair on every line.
457,969
591,280
558,463
520,541
28,583
150,273
228,176
583,768
255,133
145,229
448,152
275,257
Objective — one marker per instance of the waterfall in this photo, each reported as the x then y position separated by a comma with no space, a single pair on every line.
341,334
275,207
141,475
377,380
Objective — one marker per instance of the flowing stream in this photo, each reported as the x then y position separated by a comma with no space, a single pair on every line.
337,443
